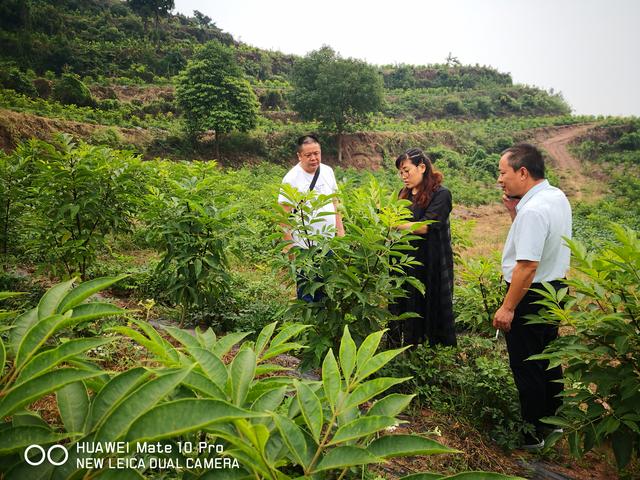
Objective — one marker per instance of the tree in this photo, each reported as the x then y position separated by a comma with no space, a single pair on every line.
152,8
214,94
335,91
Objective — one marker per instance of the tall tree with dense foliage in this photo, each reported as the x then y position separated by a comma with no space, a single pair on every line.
152,8
336,91
214,94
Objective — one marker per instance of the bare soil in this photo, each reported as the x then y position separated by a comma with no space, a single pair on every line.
16,127
492,222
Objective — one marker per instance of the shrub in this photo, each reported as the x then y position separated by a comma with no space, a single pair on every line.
16,79
78,195
601,354
69,89
273,427
359,273
479,293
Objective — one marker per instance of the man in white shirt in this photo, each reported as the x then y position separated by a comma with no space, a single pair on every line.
301,176
534,252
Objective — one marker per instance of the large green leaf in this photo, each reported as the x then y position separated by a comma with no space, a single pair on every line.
94,311
331,379
224,344
16,438
137,403
622,442
73,405
158,350
38,387
347,354
242,372
49,359
52,298
207,339
391,405
343,457
166,349
20,326
371,388
263,338
211,365
112,394
362,427
288,332
199,383
376,362
269,402
184,337
294,439
368,348
391,446
179,417
311,409
21,419
35,337
85,290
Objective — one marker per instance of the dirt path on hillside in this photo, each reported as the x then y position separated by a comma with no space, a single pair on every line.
492,222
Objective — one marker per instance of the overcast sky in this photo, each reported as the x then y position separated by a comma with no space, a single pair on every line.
587,49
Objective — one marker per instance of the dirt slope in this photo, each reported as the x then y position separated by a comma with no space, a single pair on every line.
492,222
17,126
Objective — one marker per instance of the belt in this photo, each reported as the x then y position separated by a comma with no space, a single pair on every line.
554,283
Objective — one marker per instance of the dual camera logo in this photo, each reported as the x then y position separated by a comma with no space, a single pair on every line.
40,455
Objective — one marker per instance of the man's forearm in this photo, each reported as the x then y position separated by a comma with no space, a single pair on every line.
523,275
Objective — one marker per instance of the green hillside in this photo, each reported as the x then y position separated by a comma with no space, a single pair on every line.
147,297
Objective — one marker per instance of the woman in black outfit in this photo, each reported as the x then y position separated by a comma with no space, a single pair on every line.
430,200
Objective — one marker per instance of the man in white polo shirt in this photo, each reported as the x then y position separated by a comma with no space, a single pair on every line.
307,175
534,252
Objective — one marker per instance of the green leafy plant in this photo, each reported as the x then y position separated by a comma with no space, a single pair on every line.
601,354
69,89
15,179
291,428
190,221
478,294
36,362
80,194
358,274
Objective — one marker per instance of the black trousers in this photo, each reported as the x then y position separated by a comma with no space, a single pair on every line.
537,387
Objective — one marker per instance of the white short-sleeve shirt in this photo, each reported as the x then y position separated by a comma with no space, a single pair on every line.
325,185
543,218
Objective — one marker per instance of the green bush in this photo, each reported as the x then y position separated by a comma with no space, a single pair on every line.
478,294
15,79
360,273
69,89
189,219
78,195
601,354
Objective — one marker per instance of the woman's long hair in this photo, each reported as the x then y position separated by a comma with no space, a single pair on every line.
431,178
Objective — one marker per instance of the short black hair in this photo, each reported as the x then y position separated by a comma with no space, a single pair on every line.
306,139
527,156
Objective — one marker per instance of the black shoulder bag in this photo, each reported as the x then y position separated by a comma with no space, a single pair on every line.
312,185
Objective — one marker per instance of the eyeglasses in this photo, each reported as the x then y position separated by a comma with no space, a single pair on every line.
406,173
